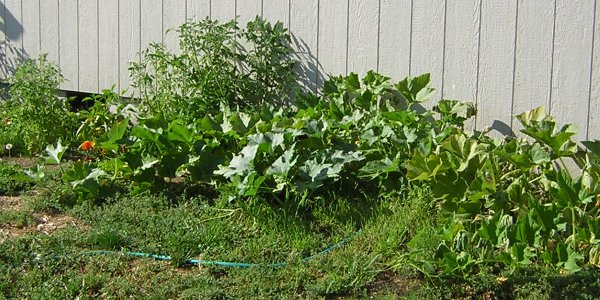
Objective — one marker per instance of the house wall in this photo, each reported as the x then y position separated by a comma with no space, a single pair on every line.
506,56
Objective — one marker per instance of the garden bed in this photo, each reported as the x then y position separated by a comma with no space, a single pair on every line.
211,183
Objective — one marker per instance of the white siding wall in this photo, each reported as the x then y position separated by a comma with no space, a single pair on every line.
505,56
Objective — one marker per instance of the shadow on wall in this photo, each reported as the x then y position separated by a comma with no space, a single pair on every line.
10,58
503,128
10,55
307,69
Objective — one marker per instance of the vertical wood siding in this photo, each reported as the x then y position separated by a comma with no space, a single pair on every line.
49,40
594,101
68,40
87,15
572,56
533,56
427,39
304,25
333,38
130,37
394,44
363,35
461,51
197,9
505,56
496,64
108,48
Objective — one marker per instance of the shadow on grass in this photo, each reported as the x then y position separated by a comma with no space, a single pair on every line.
526,283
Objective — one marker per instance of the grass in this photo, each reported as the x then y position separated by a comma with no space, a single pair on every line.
375,264
194,228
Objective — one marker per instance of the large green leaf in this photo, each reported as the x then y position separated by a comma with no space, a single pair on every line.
525,232
238,122
416,89
543,128
171,162
377,168
117,131
144,133
241,164
116,167
592,146
180,132
531,117
284,163
250,185
424,167
317,170
568,258
455,112
91,179
55,153
544,215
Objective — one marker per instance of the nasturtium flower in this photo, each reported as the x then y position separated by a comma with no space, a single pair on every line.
87,145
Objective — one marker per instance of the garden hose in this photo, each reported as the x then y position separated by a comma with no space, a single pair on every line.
198,262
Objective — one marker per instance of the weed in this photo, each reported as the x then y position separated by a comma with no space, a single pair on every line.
13,180
16,218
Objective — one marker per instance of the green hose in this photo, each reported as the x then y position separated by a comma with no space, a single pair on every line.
222,263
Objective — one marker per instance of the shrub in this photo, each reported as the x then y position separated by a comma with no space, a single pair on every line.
352,140
33,115
218,65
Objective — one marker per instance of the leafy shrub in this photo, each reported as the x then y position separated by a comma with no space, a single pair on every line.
514,199
34,115
218,65
353,138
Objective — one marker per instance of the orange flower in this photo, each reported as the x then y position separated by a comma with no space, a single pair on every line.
87,145
104,151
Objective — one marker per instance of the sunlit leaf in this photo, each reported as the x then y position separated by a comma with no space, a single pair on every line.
55,153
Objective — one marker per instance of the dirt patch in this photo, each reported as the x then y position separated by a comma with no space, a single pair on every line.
45,224
30,162
391,283
10,203
50,223
24,162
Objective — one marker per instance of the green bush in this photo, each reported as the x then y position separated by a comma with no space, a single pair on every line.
353,141
33,115
218,65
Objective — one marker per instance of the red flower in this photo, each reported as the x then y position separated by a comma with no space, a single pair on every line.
87,145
